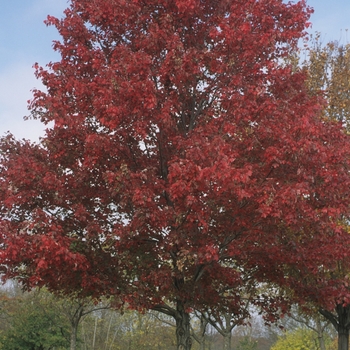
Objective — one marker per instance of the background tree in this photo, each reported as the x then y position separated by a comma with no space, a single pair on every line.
300,338
247,343
328,69
31,320
225,322
182,158
110,330
199,330
328,66
75,309
33,323
314,321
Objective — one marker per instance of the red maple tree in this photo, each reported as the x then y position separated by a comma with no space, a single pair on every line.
183,158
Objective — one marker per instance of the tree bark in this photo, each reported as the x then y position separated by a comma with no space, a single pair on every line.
341,322
183,329
73,335
227,340
343,326
200,337
343,339
74,324
203,328
320,332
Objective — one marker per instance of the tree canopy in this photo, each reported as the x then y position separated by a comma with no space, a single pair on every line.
183,159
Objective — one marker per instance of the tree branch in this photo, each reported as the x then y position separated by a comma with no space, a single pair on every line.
165,309
330,316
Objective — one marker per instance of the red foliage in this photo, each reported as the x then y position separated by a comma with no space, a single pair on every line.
184,158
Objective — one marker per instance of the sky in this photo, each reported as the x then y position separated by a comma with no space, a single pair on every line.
25,39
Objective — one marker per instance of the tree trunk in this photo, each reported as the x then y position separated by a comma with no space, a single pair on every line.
94,337
227,331
227,340
201,336
183,330
343,339
74,324
341,322
343,326
73,336
320,333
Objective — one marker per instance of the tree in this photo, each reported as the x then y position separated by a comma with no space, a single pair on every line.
301,338
33,323
247,344
199,331
75,309
328,69
108,329
223,324
314,321
182,158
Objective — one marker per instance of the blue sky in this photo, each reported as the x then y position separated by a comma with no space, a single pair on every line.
24,40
